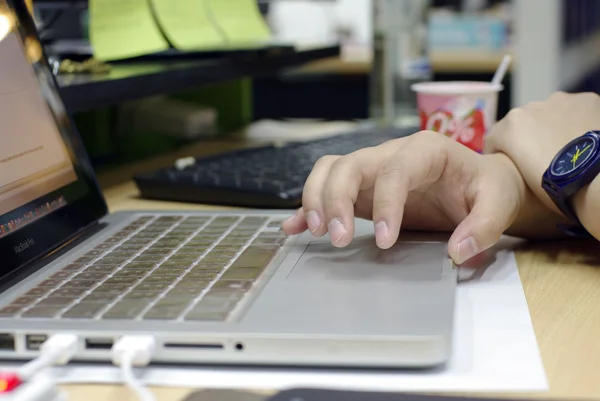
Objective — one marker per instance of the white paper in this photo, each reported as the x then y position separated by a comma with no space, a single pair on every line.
495,349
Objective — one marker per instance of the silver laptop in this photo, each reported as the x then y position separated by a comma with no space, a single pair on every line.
212,287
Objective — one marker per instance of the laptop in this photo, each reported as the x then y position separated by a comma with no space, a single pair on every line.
213,288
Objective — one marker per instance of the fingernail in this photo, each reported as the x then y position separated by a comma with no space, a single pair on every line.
466,249
381,233
336,231
313,221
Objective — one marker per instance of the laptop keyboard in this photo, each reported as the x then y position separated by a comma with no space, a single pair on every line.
188,268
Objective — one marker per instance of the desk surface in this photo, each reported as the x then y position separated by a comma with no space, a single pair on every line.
442,62
561,281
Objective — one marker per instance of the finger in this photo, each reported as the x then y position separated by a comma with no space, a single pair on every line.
419,161
347,176
491,215
311,195
295,224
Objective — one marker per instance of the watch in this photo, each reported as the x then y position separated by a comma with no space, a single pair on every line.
575,166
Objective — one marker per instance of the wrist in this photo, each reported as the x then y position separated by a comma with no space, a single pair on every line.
532,218
585,204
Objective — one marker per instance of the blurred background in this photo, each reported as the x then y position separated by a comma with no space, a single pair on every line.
555,45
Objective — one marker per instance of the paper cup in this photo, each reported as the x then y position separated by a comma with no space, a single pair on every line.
463,111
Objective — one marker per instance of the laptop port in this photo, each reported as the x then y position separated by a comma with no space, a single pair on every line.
194,345
33,342
99,343
7,342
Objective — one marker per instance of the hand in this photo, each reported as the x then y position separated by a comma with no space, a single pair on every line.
532,135
423,182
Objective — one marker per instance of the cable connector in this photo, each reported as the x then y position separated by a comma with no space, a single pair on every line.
130,351
59,349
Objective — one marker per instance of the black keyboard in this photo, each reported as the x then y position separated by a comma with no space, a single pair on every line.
265,177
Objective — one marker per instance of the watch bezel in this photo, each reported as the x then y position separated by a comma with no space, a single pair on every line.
581,168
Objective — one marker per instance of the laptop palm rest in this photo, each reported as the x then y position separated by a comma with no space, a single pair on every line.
364,261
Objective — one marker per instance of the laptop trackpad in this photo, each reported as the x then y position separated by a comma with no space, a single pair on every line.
363,261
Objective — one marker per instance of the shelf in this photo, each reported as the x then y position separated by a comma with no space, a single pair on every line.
140,79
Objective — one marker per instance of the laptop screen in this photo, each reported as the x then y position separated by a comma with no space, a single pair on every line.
47,188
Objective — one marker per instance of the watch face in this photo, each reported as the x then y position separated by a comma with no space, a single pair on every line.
574,156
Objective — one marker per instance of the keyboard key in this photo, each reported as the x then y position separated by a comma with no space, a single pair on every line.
50,283
151,286
208,315
188,288
232,285
69,292
56,301
200,275
84,310
255,257
95,276
242,273
25,300
139,266
38,291
252,221
163,313
126,309
10,311
62,275
143,295
105,297
160,279
79,284
73,267
42,311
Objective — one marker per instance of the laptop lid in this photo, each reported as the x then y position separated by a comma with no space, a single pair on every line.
48,189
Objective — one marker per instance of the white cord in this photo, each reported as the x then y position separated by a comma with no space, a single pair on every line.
142,393
132,351
56,350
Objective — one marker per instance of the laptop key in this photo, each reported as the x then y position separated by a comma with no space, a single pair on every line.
232,285
51,283
56,301
72,292
126,309
80,284
151,286
200,275
84,310
25,300
95,276
160,279
42,311
142,295
208,315
61,275
9,311
163,313
242,273
139,265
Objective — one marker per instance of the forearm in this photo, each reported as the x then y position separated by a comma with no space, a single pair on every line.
586,203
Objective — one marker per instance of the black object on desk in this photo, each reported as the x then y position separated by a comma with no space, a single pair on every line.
266,177
139,79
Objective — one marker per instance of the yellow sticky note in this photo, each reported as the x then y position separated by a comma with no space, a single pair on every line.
122,29
187,24
241,21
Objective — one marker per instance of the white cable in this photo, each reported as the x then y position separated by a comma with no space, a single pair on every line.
132,351
56,350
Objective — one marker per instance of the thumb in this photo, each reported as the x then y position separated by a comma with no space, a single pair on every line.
490,216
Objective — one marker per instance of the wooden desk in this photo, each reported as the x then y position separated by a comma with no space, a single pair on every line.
561,282
441,62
